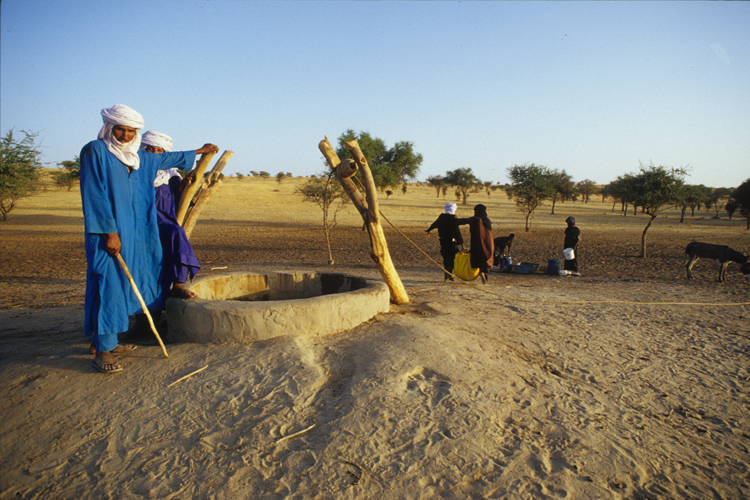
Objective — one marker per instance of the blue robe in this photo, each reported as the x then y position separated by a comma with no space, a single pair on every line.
115,201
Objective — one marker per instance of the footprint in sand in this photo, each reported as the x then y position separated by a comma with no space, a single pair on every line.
431,384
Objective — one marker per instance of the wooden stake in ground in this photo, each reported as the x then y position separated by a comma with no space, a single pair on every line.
143,303
368,209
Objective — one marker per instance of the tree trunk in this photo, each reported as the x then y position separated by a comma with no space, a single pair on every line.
643,236
682,215
370,214
553,206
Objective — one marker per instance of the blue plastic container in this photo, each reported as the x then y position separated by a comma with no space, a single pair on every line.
553,266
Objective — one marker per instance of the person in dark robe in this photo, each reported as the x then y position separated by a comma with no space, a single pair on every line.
450,237
119,212
180,262
572,237
482,242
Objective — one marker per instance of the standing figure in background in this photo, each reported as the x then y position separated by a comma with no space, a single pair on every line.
180,262
572,236
450,237
482,242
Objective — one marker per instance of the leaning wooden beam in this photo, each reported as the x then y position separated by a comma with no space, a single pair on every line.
187,195
368,209
205,193
370,189
351,189
219,166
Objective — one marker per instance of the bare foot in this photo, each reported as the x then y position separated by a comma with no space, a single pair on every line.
181,292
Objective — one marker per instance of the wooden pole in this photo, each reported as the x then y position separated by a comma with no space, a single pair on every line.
205,193
187,194
368,209
143,303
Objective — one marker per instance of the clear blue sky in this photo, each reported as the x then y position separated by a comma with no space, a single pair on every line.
593,88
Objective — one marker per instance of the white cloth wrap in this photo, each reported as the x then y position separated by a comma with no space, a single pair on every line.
450,208
122,115
163,176
154,138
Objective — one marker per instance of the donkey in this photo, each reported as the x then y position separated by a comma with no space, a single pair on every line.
722,253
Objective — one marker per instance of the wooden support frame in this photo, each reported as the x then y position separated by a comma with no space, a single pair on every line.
368,209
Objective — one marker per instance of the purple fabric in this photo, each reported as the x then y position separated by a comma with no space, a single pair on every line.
180,262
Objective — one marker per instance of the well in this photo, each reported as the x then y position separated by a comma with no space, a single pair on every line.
244,307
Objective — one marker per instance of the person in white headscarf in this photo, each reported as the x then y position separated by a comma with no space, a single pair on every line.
450,237
117,194
180,262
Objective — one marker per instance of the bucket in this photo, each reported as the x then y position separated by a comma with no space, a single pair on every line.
569,254
553,265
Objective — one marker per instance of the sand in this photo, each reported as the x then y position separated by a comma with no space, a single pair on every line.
528,387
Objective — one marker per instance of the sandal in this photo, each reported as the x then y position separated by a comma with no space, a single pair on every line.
108,367
117,350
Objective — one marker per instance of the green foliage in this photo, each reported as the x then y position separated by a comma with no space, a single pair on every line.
690,197
653,189
19,169
280,177
263,174
390,167
531,185
240,176
564,188
324,190
71,175
463,179
741,198
254,173
586,188
437,182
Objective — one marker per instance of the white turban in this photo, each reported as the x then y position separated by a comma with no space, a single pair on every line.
122,115
163,176
450,208
154,138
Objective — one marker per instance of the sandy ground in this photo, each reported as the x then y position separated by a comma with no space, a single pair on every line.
611,385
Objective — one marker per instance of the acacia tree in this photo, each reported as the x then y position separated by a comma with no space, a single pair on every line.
390,167
619,190
586,188
437,182
463,179
563,188
530,186
741,199
19,169
321,190
72,173
653,189
690,196
718,197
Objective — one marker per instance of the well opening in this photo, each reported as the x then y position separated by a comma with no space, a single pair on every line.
245,307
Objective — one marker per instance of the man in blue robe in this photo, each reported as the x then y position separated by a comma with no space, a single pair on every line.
117,191
180,262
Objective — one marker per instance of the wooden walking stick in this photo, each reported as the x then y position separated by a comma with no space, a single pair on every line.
143,304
